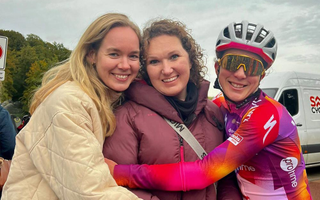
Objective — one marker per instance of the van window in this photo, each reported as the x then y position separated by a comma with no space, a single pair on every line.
271,92
289,98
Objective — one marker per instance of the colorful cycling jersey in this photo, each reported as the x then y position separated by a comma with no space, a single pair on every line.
262,146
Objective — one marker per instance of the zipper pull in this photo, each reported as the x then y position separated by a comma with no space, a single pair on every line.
181,150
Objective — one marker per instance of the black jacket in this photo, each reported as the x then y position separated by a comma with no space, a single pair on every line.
7,135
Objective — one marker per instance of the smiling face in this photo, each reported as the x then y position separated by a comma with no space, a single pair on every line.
117,60
168,66
236,85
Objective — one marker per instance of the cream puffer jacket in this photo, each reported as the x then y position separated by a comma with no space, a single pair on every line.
58,155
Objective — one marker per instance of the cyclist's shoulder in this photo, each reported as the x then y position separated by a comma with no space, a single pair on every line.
218,99
266,104
261,110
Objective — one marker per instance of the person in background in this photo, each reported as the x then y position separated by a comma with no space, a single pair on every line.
58,154
7,134
263,145
25,120
173,87
7,143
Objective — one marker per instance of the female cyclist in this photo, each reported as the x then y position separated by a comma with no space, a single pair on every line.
262,143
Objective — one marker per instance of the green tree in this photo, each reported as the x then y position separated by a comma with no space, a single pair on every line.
34,40
33,81
7,85
15,40
27,59
60,51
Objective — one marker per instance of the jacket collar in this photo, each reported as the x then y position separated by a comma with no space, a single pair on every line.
143,94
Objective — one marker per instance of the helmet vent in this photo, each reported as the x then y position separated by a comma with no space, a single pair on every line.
238,30
249,37
271,43
226,32
218,42
250,31
263,34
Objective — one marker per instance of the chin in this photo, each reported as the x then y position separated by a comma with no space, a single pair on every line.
119,88
236,98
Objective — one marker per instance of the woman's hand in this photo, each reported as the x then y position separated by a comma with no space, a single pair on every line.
110,164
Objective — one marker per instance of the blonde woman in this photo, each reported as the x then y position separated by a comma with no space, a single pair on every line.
58,155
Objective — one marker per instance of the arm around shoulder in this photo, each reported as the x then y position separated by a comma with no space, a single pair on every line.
123,146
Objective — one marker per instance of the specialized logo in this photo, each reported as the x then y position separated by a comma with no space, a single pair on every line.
251,110
268,126
315,104
289,165
235,139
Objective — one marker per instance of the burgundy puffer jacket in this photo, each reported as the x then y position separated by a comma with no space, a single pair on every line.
142,136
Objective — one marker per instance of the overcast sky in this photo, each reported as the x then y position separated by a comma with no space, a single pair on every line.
295,23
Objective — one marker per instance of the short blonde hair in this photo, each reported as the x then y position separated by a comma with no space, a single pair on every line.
78,69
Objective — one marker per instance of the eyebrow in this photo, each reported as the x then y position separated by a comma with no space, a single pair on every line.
151,57
170,53
117,50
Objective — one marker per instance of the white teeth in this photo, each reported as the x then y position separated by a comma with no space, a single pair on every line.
170,79
236,85
121,76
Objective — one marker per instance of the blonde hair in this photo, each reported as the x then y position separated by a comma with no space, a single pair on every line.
78,69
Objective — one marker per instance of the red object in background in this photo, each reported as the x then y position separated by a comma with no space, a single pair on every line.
20,127
25,120
1,51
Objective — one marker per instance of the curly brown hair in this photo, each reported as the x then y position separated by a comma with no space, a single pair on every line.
178,29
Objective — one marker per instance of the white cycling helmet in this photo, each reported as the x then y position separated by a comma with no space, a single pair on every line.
249,37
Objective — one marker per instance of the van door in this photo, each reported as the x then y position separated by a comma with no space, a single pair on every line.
311,98
291,98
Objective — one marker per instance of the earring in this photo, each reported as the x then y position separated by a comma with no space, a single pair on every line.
94,65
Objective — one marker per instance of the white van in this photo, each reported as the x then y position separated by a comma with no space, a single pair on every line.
300,94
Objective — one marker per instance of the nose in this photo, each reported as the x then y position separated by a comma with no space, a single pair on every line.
124,64
166,69
240,73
